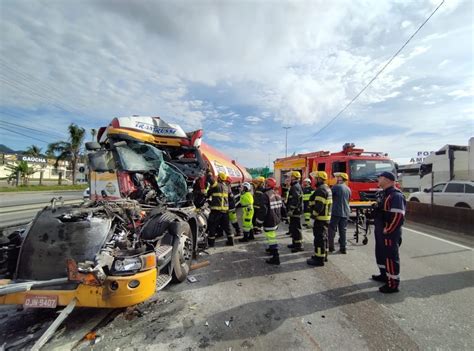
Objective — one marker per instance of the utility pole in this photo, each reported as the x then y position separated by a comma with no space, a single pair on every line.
286,140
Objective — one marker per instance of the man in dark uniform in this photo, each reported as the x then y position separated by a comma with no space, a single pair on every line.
320,202
295,210
219,204
389,218
341,195
270,214
258,184
233,210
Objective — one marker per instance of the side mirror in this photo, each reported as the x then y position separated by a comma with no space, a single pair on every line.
92,146
426,190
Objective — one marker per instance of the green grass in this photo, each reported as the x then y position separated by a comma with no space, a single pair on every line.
12,189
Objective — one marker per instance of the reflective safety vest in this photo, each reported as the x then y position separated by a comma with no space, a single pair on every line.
307,192
246,200
320,203
219,194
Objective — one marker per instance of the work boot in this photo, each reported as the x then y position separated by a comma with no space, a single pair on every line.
297,249
385,289
230,241
342,251
211,242
315,261
245,239
380,278
287,233
251,236
331,249
291,246
275,259
269,251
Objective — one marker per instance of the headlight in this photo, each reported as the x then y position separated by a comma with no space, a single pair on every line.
128,264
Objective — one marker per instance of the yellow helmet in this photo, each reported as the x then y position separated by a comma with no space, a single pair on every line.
296,174
259,180
342,175
222,176
320,174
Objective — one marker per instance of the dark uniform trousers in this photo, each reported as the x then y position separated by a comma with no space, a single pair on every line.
219,219
296,230
386,254
320,232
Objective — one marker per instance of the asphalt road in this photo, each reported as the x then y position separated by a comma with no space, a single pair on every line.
295,306
20,207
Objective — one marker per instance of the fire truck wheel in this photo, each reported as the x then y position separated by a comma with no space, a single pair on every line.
182,251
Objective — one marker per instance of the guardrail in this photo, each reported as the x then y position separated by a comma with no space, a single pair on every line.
455,219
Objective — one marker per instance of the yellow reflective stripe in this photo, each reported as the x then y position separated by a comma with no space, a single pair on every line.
323,218
271,237
318,253
306,197
323,200
219,208
220,194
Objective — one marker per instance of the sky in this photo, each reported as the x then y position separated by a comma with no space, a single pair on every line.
242,70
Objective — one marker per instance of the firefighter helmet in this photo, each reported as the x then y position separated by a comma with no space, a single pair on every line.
271,183
296,174
342,175
320,174
246,186
307,180
259,180
222,176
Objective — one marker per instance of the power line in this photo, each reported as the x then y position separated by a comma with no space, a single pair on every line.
33,129
28,136
376,76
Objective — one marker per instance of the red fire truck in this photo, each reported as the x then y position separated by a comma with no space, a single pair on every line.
361,166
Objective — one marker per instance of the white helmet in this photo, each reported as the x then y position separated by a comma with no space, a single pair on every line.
307,180
246,186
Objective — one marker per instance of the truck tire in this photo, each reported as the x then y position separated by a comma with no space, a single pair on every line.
182,251
462,205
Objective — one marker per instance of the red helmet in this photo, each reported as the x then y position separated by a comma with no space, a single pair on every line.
271,183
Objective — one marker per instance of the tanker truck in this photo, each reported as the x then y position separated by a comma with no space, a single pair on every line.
139,230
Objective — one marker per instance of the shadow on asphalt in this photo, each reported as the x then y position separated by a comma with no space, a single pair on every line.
262,317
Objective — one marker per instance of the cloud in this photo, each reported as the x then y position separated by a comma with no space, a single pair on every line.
217,136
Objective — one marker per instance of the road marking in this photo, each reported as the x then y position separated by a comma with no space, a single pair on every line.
443,240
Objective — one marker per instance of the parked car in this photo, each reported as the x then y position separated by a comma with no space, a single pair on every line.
453,193
86,194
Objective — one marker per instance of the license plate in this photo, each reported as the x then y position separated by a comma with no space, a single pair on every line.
41,301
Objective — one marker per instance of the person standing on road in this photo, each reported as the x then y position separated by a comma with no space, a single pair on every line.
320,202
258,184
219,204
341,194
246,202
295,210
232,209
307,192
389,219
270,214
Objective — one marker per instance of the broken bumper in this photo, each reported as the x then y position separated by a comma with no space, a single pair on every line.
115,292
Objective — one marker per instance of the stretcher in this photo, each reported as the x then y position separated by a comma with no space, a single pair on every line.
363,219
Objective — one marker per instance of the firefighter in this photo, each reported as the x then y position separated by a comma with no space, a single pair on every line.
389,218
232,209
340,212
219,204
246,202
295,210
320,203
270,214
258,184
307,192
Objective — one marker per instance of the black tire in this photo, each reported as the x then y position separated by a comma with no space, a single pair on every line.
414,199
182,251
462,205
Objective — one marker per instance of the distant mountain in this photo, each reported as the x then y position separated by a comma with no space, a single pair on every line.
6,150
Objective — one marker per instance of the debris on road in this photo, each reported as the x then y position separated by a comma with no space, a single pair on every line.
192,279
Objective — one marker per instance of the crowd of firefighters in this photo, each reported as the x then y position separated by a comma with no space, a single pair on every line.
263,209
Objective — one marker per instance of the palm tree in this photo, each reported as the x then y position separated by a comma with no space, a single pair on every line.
69,149
33,150
22,169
